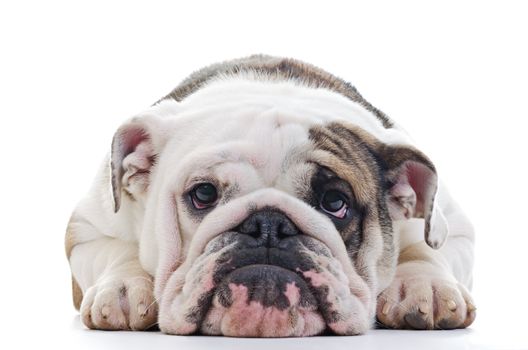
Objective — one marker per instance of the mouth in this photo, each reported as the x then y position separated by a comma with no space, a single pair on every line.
247,291
263,301
270,284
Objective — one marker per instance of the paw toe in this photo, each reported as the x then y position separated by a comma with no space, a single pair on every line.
425,303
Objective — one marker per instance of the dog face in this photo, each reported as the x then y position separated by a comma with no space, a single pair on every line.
263,219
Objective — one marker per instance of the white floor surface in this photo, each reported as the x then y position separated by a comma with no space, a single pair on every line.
483,335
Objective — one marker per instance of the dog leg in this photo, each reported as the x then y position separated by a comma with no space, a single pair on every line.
430,288
117,294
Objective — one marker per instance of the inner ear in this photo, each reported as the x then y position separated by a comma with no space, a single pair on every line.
131,159
412,189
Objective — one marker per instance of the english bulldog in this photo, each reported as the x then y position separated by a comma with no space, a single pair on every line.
265,197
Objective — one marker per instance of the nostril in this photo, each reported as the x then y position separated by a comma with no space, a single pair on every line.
249,227
286,229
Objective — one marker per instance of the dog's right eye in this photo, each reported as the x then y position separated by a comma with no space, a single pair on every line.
204,195
334,203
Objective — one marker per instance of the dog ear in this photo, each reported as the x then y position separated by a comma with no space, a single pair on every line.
413,184
132,156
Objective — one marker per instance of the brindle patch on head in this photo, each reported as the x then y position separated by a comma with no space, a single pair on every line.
340,148
372,169
351,155
275,68
354,156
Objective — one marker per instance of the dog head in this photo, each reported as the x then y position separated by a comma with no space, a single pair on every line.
269,208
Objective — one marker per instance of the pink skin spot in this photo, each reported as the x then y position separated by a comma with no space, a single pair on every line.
316,279
255,320
292,293
238,293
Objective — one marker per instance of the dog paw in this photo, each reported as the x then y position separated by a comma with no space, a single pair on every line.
120,304
425,301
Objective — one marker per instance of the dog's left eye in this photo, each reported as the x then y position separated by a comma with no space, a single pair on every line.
204,195
334,203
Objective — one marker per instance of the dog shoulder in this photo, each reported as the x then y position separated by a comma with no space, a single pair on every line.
94,216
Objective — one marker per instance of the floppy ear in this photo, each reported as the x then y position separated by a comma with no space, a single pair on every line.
132,156
413,185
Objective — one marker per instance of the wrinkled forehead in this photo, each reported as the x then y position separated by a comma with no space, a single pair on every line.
266,127
240,108
266,142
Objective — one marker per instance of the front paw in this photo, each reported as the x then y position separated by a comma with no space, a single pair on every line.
120,304
425,298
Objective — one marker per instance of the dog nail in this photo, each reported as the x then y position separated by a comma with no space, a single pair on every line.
105,311
451,305
471,307
424,308
386,309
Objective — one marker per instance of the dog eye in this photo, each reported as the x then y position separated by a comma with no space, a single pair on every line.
334,203
204,195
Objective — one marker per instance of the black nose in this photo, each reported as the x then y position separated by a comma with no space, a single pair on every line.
268,227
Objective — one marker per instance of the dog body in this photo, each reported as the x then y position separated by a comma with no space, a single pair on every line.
266,197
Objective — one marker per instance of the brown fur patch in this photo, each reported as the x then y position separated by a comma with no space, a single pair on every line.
348,151
353,155
276,68
371,167
69,239
77,294
418,251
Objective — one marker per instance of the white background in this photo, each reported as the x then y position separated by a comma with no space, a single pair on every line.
453,73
